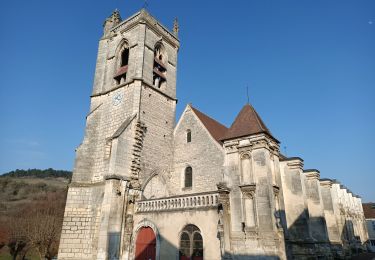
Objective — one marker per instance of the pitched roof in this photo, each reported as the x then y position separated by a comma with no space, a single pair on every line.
247,122
369,210
216,129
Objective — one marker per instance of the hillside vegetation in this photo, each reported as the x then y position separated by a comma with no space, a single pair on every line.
32,206
48,173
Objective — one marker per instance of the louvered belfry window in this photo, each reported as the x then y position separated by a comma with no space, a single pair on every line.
188,177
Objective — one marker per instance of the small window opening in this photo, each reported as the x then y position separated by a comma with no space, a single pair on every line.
125,57
188,177
120,76
159,71
188,136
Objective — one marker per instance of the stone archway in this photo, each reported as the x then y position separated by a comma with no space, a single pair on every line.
145,245
145,223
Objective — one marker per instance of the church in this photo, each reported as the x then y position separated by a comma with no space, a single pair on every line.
148,186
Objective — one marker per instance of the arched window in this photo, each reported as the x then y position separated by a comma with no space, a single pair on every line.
188,177
122,67
160,69
188,136
191,243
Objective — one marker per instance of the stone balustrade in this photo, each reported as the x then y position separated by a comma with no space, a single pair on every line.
177,203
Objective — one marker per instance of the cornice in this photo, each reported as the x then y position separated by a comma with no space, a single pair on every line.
143,17
295,163
326,183
312,174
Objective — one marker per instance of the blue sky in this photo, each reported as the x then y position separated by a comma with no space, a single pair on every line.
309,65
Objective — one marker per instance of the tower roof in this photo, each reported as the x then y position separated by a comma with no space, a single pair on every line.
216,129
247,122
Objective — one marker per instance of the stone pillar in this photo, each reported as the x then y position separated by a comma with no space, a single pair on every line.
299,242
331,220
317,223
263,200
224,225
332,227
110,228
294,199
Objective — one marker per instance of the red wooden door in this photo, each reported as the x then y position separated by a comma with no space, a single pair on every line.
145,247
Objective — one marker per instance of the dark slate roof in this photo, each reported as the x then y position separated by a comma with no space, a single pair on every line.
369,210
216,129
247,122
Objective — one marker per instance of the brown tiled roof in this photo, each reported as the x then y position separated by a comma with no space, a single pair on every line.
369,210
247,122
216,129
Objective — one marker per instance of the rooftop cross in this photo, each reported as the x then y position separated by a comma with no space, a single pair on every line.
247,93
145,4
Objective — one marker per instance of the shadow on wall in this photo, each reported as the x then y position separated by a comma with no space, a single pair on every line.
309,236
149,247
301,241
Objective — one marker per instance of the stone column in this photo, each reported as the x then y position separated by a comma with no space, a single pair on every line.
111,219
224,225
317,223
294,199
332,226
329,214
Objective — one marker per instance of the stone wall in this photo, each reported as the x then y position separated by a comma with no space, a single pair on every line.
81,219
204,154
169,224
254,197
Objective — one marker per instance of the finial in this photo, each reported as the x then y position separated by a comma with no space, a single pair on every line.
247,93
116,16
112,21
145,4
176,27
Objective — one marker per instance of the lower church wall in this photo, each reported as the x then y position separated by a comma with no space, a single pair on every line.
169,224
80,226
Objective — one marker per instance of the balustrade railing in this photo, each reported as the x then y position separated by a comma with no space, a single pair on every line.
177,203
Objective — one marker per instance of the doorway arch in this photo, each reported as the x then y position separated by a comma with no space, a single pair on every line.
145,245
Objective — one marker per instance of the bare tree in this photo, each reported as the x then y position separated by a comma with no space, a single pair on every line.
42,226
13,237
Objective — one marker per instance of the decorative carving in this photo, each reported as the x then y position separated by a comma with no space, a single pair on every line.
111,22
276,190
176,27
223,197
144,17
136,154
248,191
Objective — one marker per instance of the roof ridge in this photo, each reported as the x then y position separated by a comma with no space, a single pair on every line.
214,127
195,109
260,121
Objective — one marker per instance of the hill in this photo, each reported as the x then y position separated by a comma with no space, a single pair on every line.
31,198
39,173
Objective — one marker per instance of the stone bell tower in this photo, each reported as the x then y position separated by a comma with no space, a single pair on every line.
128,135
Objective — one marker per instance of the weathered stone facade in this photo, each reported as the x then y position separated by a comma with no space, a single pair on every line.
201,188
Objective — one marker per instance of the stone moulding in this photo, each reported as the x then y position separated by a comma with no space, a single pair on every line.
248,190
86,184
115,177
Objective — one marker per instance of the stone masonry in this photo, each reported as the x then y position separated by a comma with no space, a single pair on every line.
146,187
